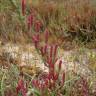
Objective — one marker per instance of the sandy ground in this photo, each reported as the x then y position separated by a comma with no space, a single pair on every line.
27,56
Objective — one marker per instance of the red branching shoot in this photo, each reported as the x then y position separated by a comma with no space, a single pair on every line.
21,88
23,5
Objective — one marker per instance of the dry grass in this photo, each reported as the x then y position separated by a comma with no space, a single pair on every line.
68,20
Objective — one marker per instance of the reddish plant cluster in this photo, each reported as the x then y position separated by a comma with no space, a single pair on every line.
30,21
52,77
23,4
37,25
21,88
36,39
49,54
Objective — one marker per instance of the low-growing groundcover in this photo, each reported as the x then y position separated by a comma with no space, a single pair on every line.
14,82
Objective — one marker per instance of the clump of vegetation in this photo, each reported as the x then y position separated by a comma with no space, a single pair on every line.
81,20
69,20
43,24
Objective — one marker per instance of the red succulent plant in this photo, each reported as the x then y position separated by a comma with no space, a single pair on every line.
37,25
30,21
36,39
23,5
21,88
